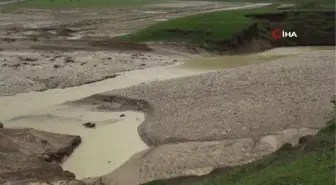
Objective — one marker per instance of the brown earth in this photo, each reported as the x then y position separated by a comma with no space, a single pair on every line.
31,156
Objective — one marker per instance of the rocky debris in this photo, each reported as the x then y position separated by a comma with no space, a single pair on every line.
28,59
1,125
89,125
122,115
8,40
24,157
56,66
222,115
69,60
16,65
333,100
230,94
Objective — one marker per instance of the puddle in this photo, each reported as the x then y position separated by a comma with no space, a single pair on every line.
74,37
154,12
240,60
228,61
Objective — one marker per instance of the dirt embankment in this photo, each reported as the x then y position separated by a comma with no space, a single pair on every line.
318,30
31,156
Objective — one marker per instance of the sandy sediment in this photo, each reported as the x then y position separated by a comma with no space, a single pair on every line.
230,117
36,71
235,103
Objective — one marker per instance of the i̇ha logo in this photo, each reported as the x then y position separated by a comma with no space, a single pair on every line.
277,34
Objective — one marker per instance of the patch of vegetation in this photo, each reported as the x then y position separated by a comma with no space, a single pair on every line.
201,28
79,3
225,30
310,163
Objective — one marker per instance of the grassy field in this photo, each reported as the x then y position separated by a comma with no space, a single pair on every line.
310,163
80,3
201,28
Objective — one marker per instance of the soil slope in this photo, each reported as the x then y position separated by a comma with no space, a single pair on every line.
29,156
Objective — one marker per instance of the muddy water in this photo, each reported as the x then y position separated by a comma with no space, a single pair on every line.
239,60
104,148
115,138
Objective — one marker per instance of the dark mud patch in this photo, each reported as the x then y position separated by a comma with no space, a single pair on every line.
123,46
318,30
106,102
89,45
104,78
22,156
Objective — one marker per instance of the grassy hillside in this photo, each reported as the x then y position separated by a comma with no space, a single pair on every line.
227,30
310,163
201,28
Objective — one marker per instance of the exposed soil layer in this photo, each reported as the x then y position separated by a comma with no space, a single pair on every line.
318,30
31,156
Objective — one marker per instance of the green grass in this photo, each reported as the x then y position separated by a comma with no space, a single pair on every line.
207,27
214,30
311,163
80,3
